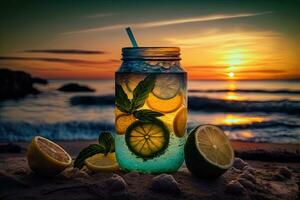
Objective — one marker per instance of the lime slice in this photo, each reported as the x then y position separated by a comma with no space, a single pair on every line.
46,157
147,139
179,123
165,105
102,163
122,122
166,86
208,152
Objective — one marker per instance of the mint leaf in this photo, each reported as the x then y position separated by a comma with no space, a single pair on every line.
122,101
86,153
141,92
107,141
146,115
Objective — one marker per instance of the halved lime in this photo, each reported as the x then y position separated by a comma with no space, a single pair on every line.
166,86
147,139
208,152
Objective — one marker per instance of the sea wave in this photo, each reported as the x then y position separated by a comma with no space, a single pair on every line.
257,125
205,104
220,105
72,130
89,130
247,91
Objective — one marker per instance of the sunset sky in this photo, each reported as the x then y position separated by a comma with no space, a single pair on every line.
219,39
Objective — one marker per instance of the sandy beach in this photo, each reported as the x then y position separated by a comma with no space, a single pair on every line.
263,171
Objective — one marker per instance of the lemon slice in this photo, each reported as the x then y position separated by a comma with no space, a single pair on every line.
101,163
165,105
166,86
46,157
208,152
122,122
179,123
147,139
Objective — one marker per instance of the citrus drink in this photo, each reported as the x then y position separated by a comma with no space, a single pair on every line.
151,118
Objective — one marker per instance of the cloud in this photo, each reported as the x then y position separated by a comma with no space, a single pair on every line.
234,47
169,22
100,15
76,62
196,67
267,71
65,51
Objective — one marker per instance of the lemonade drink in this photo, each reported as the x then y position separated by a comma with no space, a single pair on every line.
151,110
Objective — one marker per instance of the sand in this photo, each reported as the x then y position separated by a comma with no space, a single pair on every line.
265,171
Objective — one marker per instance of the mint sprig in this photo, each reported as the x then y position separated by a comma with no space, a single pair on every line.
146,115
122,101
106,145
107,141
140,94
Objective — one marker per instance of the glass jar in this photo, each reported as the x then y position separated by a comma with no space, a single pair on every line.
151,110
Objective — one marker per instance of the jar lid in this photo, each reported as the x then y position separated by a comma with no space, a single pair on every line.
151,53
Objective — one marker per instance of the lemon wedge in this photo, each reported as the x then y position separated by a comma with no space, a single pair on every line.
46,157
101,163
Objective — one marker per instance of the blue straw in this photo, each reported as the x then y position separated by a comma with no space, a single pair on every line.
131,37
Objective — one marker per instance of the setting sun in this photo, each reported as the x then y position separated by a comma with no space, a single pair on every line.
231,74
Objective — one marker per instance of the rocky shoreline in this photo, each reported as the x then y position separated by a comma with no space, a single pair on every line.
18,84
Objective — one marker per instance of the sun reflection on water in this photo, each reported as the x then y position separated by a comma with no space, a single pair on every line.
240,120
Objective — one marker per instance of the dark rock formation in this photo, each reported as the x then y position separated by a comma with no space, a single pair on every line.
92,100
39,80
16,84
74,87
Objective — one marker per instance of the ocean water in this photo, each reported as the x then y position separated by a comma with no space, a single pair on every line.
260,111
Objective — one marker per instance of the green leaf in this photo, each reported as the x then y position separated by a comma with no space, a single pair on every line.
86,153
146,115
141,92
107,141
122,101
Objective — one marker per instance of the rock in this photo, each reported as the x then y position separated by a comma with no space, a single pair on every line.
116,183
285,172
15,84
234,170
239,164
132,174
247,184
165,183
234,187
72,172
250,169
74,87
92,100
39,80
10,148
247,175
9,182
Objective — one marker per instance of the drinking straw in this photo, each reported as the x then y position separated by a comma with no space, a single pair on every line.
131,37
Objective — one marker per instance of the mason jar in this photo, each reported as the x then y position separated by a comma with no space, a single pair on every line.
150,110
